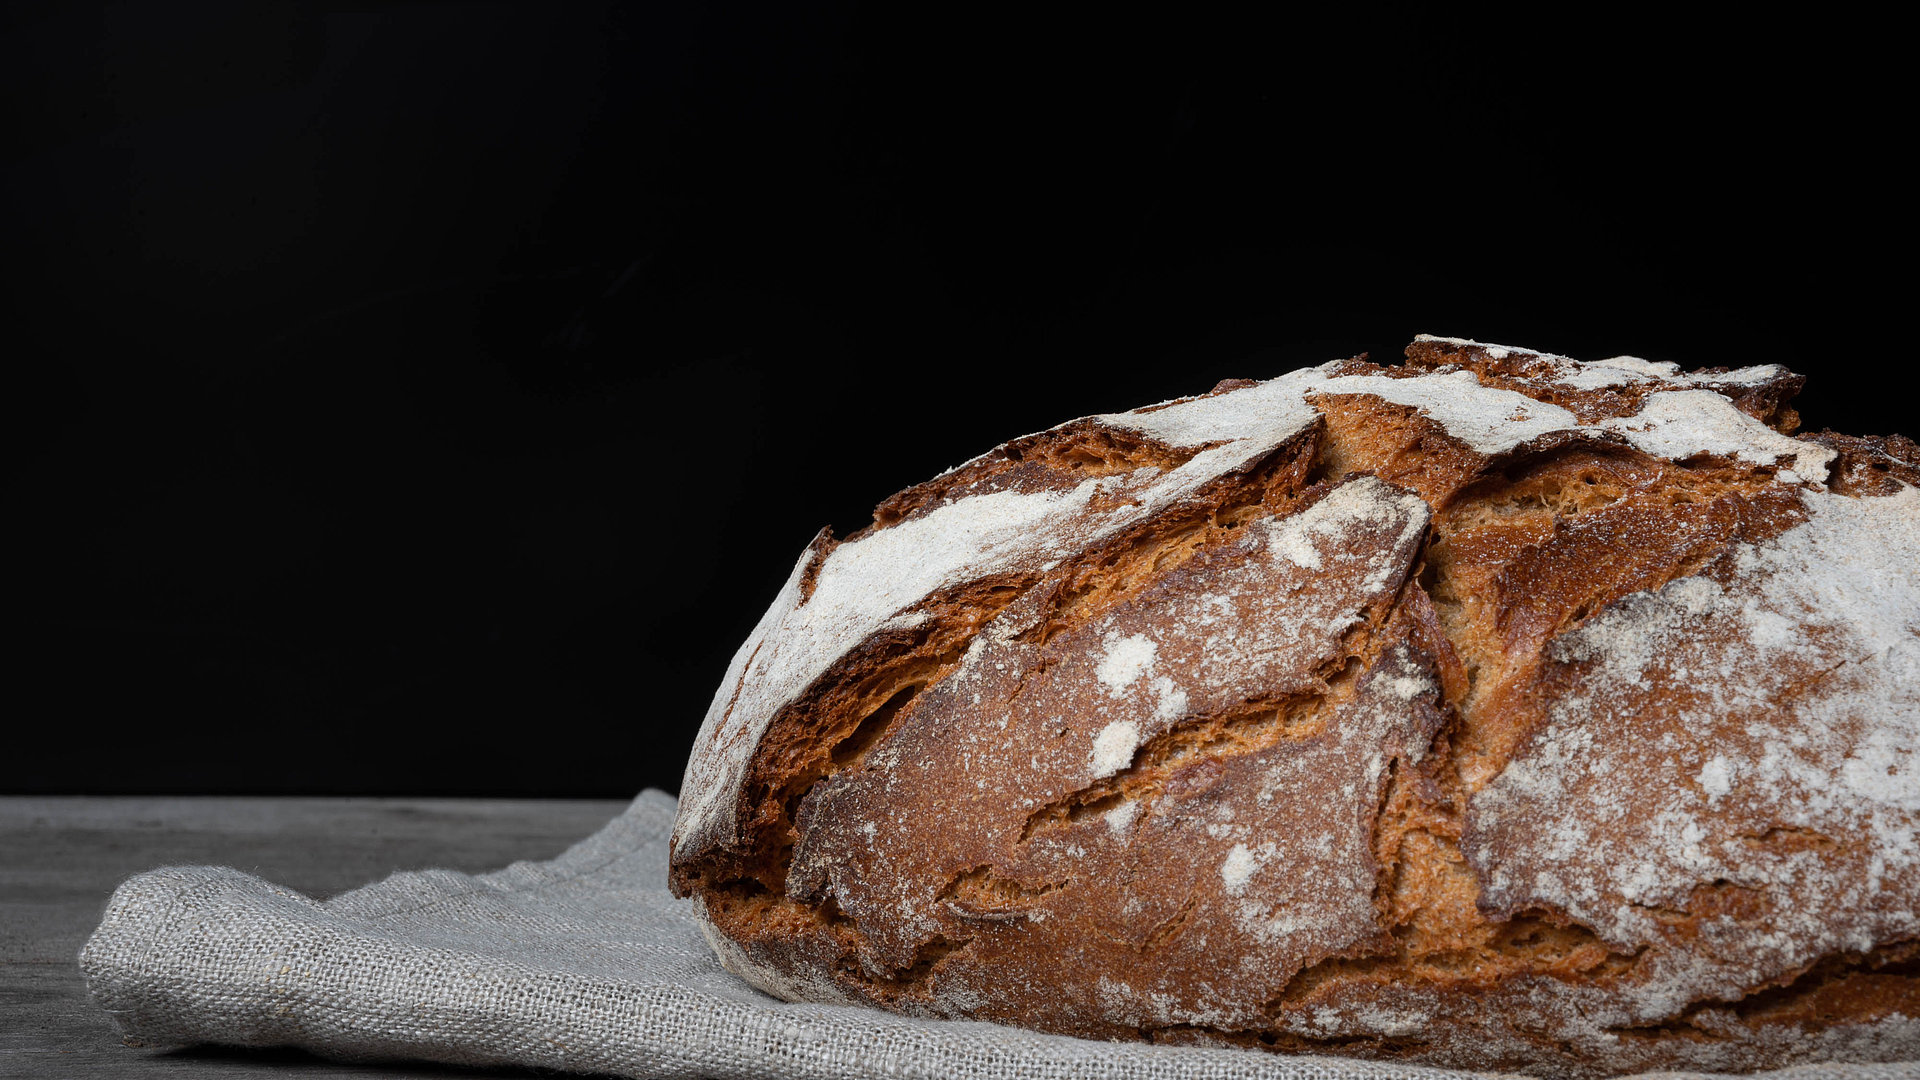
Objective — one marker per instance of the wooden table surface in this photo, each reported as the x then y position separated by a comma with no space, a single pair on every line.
61,858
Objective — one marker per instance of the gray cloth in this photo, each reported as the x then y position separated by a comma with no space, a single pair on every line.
584,964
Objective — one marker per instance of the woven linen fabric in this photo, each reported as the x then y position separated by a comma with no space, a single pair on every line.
583,964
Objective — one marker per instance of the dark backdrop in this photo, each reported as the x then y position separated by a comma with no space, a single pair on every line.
427,398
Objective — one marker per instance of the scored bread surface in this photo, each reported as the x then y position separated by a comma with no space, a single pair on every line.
1496,711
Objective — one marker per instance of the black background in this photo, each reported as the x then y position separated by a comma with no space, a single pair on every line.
427,399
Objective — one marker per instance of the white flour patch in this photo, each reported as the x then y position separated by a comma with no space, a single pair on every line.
1269,413
1127,659
1677,424
1170,701
1237,869
1715,778
1386,1021
1120,818
1404,687
1293,546
1618,371
1113,748
1366,501
1487,419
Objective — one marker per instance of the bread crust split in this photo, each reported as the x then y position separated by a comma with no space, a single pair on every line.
1494,711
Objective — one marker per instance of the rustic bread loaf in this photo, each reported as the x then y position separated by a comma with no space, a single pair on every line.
1496,711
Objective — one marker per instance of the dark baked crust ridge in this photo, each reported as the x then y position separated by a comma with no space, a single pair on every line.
1870,465
1444,982
1080,448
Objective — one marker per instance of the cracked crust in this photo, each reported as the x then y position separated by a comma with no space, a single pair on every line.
1497,711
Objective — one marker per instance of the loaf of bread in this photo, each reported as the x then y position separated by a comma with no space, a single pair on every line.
1494,711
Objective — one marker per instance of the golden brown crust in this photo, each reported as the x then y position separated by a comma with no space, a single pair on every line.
1286,766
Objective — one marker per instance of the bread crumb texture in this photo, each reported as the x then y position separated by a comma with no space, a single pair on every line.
1493,711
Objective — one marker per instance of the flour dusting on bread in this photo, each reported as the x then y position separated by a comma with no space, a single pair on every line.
1497,711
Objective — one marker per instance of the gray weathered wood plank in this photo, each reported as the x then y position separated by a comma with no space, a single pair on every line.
61,858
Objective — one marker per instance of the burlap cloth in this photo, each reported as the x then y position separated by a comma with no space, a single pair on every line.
583,964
